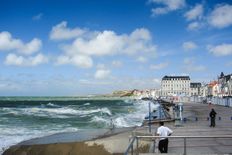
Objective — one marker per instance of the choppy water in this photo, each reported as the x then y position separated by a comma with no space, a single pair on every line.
25,118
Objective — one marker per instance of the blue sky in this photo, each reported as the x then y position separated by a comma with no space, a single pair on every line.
80,47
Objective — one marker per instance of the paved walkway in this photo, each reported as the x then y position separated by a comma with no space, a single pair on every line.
200,127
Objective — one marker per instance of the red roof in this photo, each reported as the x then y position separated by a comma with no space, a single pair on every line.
213,83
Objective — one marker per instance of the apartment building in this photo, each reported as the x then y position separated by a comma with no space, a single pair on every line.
213,88
195,89
225,85
204,90
175,85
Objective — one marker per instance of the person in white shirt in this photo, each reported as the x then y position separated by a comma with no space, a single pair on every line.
163,142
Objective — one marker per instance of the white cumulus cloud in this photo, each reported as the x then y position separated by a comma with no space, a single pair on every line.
8,43
220,50
168,5
189,45
15,60
159,66
62,32
81,61
31,47
194,13
109,43
106,43
102,73
194,26
221,16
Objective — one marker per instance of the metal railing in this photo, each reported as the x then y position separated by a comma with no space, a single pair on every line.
131,146
152,138
214,100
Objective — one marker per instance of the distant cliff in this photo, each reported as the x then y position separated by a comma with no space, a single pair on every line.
123,93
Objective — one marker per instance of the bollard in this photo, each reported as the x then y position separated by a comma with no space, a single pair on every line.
185,119
196,119
219,118
207,118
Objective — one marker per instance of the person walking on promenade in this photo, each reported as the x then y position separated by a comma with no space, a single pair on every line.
163,142
212,116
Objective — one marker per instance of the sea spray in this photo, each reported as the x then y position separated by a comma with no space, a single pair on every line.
135,114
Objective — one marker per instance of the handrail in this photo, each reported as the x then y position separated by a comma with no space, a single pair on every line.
218,136
130,146
154,137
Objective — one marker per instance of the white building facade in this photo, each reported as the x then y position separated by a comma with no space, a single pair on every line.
175,85
225,85
213,88
204,90
195,89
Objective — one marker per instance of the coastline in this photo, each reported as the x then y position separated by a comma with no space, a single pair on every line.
65,98
62,115
117,142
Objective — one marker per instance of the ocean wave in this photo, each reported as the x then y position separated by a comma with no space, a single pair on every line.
53,105
123,114
87,103
100,119
12,136
121,122
54,112
135,115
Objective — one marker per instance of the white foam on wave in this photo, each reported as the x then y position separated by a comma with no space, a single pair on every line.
53,105
121,122
105,110
12,136
100,119
87,104
135,116
63,112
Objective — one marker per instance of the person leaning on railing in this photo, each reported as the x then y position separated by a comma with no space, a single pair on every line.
163,142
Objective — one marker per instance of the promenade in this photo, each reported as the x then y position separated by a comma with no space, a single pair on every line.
197,124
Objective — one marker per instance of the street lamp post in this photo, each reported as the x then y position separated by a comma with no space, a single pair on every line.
149,110
149,106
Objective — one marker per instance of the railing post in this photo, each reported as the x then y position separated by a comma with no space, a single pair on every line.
137,145
149,116
185,146
132,149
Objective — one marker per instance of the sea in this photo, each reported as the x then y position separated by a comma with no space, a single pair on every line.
24,118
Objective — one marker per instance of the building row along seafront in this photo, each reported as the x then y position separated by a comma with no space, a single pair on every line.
174,86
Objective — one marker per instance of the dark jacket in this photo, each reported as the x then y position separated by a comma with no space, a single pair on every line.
212,114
